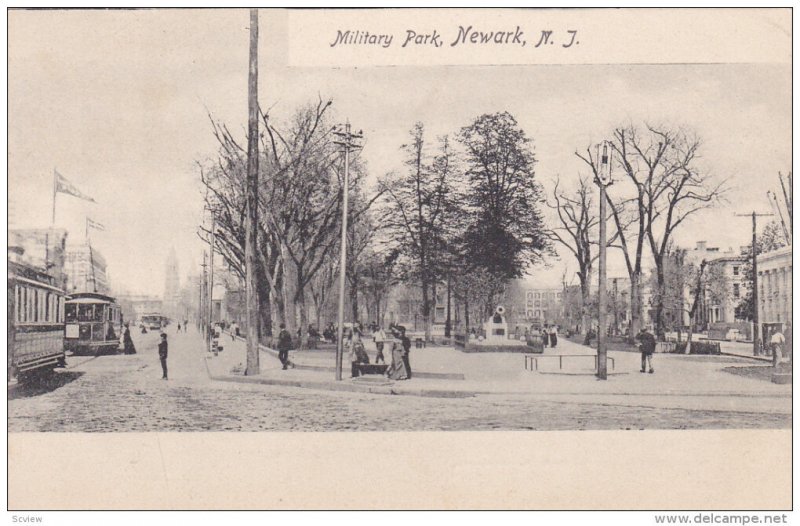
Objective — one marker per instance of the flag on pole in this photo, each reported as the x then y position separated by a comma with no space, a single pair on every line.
65,187
94,224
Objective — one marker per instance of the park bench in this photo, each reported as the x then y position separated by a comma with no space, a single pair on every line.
372,368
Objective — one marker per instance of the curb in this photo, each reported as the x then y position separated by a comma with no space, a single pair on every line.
331,386
749,357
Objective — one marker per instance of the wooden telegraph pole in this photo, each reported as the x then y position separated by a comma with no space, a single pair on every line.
347,141
602,179
251,229
754,255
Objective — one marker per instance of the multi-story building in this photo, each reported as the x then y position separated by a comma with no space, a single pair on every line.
720,315
775,286
43,248
543,305
86,269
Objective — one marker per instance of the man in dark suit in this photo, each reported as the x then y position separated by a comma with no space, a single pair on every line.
406,343
647,345
162,354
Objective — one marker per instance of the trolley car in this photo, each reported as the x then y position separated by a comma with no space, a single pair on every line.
93,323
35,321
154,321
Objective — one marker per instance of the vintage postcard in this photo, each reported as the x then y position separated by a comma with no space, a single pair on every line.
400,259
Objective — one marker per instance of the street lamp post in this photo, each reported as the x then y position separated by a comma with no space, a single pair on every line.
347,141
602,179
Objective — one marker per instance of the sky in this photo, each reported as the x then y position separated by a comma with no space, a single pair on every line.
118,102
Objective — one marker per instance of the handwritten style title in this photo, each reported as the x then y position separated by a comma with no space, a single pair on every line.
465,36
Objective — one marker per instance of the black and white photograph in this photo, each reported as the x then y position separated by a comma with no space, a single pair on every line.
279,225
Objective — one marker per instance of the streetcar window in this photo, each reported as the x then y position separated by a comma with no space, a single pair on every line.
70,312
98,312
85,312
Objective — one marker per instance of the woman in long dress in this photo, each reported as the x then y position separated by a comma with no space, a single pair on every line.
127,341
397,370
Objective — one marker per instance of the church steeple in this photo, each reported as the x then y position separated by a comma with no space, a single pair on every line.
171,285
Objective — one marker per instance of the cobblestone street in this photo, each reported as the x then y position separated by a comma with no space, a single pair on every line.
125,393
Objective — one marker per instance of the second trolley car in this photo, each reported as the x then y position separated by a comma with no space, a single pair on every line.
93,323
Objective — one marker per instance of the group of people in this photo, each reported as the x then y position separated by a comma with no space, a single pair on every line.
400,366
399,347
549,333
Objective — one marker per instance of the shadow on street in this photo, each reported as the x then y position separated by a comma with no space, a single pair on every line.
40,384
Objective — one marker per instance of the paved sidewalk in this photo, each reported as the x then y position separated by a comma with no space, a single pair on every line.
680,381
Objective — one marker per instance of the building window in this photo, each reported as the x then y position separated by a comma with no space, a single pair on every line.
735,289
735,271
536,295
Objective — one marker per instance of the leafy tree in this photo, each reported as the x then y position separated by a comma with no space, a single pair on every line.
418,209
505,231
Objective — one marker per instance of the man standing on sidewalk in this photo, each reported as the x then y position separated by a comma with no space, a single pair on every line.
647,344
162,354
284,345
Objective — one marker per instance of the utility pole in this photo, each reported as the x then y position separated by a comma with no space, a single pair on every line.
347,141
787,199
202,311
754,251
211,282
602,179
251,228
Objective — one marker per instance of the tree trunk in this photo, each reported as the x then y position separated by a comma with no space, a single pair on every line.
660,285
300,308
688,342
426,310
636,308
289,305
585,319
354,298
448,322
264,304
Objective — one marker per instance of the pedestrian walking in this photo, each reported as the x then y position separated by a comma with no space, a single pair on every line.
406,343
777,341
545,336
284,346
553,335
647,346
179,326
127,341
162,354
185,325
234,331
398,370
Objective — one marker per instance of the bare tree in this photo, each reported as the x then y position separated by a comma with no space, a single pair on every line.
706,283
660,188
300,197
